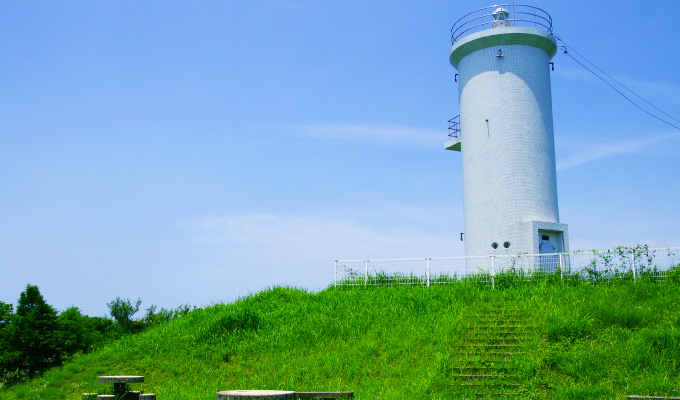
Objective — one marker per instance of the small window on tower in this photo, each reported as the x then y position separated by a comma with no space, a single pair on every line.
494,245
545,237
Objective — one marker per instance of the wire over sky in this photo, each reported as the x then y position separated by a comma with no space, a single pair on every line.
567,49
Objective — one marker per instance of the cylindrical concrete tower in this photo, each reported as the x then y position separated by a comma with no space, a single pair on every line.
506,132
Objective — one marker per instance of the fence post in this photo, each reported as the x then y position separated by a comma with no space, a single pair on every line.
366,274
632,265
562,266
335,279
493,274
428,271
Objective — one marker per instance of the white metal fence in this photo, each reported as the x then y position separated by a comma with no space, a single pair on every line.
620,263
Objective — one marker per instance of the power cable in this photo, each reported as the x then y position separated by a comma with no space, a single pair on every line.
620,84
613,79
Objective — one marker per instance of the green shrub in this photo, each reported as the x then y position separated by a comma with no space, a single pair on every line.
627,317
567,328
154,318
663,339
586,393
80,333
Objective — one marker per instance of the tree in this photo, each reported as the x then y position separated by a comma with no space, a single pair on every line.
122,311
34,338
80,333
31,333
6,311
8,357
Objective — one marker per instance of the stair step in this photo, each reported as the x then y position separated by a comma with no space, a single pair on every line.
499,335
501,320
475,377
483,357
495,363
500,341
506,354
495,395
479,337
500,331
499,326
490,385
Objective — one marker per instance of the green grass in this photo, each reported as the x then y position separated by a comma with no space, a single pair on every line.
599,341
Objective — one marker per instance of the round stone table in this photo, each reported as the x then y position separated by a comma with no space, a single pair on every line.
119,383
255,395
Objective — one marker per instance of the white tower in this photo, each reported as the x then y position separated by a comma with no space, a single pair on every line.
506,135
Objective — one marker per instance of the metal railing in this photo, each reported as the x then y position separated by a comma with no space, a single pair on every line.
519,14
594,266
454,127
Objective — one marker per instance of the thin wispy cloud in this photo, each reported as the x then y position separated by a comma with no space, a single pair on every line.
305,237
361,132
259,250
649,90
646,88
611,149
574,73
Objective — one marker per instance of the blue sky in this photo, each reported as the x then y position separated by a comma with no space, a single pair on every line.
196,152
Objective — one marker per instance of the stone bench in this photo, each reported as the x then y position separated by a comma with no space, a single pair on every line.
120,390
653,397
126,396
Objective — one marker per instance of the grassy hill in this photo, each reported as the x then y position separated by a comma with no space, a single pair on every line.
589,342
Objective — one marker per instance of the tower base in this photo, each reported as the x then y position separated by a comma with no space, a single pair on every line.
547,237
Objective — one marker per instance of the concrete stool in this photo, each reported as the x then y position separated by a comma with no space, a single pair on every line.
255,395
120,383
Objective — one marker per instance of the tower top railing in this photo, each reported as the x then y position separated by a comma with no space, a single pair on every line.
509,15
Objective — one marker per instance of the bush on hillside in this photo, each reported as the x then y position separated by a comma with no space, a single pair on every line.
80,333
122,311
561,328
36,338
153,317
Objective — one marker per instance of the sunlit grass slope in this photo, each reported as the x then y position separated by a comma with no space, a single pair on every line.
599,342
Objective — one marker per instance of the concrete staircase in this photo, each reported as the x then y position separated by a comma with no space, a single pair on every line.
486,357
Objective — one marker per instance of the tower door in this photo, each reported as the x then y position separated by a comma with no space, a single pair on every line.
546,247
550,242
